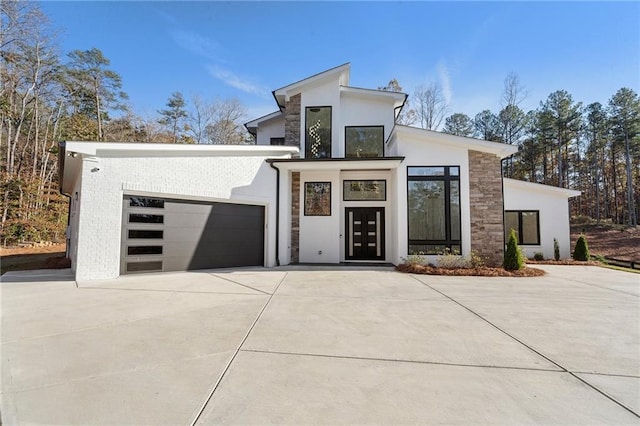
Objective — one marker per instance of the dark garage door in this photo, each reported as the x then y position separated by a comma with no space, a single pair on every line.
161,234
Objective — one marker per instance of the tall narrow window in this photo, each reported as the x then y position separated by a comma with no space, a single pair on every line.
318,135
364,141
433,205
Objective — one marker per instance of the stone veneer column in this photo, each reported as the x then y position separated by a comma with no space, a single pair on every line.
295,217
486,205
292,121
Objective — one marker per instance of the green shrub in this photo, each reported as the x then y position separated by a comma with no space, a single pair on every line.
581,251
538,256
556,249
513,257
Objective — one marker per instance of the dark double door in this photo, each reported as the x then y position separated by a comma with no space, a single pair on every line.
364,233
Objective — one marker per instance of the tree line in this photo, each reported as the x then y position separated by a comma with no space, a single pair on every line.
593,148
47,97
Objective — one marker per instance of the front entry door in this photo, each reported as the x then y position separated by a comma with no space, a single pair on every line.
365,233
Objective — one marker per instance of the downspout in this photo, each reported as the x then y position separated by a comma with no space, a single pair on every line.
277,212
62,154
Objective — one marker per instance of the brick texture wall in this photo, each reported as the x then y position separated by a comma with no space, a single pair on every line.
295,217
100,213
486,202
292,121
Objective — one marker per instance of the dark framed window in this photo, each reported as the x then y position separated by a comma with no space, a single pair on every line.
364,141
146,202
433,206
146,218
317,199
145,234
276,141
526,223
364,190
135,250
144,266
318,132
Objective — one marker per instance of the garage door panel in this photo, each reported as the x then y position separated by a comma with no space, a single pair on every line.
192,235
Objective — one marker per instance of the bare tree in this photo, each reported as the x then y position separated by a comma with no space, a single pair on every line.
407,115
201,116
430,106
226,127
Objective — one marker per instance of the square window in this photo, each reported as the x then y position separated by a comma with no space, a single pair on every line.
364,141
317,199
526,223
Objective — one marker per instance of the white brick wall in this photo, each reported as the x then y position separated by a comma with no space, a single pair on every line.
247,179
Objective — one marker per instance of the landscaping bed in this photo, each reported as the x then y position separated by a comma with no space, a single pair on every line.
482,271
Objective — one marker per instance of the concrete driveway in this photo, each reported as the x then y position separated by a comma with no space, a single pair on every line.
321,345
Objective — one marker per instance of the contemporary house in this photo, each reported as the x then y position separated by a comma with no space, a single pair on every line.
331,179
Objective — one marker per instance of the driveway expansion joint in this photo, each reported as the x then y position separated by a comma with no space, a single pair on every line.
564,369
240,284
408,361
235,353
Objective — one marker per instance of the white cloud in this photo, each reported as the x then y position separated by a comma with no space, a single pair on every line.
445,81
196,44
233,80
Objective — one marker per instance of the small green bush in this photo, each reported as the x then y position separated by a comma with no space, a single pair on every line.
513,257
581,251
556,249
538,256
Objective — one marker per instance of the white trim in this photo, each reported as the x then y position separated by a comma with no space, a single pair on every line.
284,93
499,149
531,186
344,165
98,148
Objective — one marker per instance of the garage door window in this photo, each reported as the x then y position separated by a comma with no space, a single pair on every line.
145,234
146,202
136,250
146,218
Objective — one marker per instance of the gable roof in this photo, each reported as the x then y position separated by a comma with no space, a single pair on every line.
282,94
501,150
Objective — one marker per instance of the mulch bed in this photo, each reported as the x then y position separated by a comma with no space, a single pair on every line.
563,262
484,271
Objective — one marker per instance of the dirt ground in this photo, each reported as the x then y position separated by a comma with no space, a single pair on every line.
609,240
37,257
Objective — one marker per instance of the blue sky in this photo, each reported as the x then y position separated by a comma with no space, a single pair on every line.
248,49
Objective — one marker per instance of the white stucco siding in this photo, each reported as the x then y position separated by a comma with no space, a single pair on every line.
419,152
242,179
358,111
270,129
553,207
320,235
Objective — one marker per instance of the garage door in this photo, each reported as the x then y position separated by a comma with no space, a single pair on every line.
162,234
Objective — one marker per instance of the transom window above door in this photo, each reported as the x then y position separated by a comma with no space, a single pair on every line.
318,132
364,141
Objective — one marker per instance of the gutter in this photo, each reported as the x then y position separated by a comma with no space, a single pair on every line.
277,212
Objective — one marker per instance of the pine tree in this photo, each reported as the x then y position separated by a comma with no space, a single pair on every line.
513,257
581,251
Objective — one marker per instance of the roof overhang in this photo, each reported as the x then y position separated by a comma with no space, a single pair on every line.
501,150
539,187
252,126
398,98
301,164
72,154
284,93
